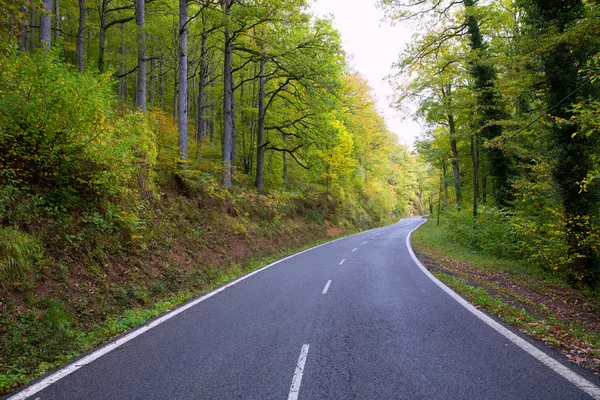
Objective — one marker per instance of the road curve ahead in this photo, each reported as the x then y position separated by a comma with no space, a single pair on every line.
352,319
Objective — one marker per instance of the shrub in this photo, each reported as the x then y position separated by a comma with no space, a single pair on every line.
53,131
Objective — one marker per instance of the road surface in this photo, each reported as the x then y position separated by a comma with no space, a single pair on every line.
352,319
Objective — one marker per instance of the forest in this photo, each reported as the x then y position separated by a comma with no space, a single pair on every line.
508,92
151,150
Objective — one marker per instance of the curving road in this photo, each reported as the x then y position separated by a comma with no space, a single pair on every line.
356,318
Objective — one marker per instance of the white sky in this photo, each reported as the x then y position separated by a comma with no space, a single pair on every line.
372,46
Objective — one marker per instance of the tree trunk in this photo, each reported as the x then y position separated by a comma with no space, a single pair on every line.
23,29
475,161
285,166
161,93
152,83
233,128
455,166
45,28
490,108
80,50
102,37
260,133
56,21
32,23
183,82
444,172
200,122
140,14
121,86
227,98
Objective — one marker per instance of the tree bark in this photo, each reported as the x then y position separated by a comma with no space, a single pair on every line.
200,122
475,161
183,82
227,97
490,108
45,28
233,127
455,165
56,21
260,133
80,49
32,23
140,14
161,93
152,83
23,29
102,36
121,87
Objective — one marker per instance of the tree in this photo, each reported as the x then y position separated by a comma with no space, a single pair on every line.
45,28
140,13
555,24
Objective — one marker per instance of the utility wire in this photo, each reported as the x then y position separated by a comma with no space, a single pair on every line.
540,116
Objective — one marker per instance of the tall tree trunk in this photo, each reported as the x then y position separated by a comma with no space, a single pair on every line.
152,83
260,133
102,37
23,29
183,82
45,28
285,165
56,21
475,161
200,122
227,98
140,14
32,23
80,50
444,172
233,127
489,103
161,81
455,166
121,87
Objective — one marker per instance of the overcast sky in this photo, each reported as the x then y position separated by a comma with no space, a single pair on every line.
373,46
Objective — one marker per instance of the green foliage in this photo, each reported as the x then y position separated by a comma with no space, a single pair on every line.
19,254
489,233
53,132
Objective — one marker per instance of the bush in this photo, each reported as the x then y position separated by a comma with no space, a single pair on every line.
491,232
53,132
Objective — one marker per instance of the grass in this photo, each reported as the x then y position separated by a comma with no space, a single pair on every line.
533,300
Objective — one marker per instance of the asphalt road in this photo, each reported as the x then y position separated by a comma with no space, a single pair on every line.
352,319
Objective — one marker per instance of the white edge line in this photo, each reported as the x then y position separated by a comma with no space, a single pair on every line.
326,287
341,262
297,379
74,366
568,374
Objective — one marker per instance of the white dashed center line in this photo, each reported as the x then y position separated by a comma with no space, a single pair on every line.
364,242
297,379
355,249
341,262
326,287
